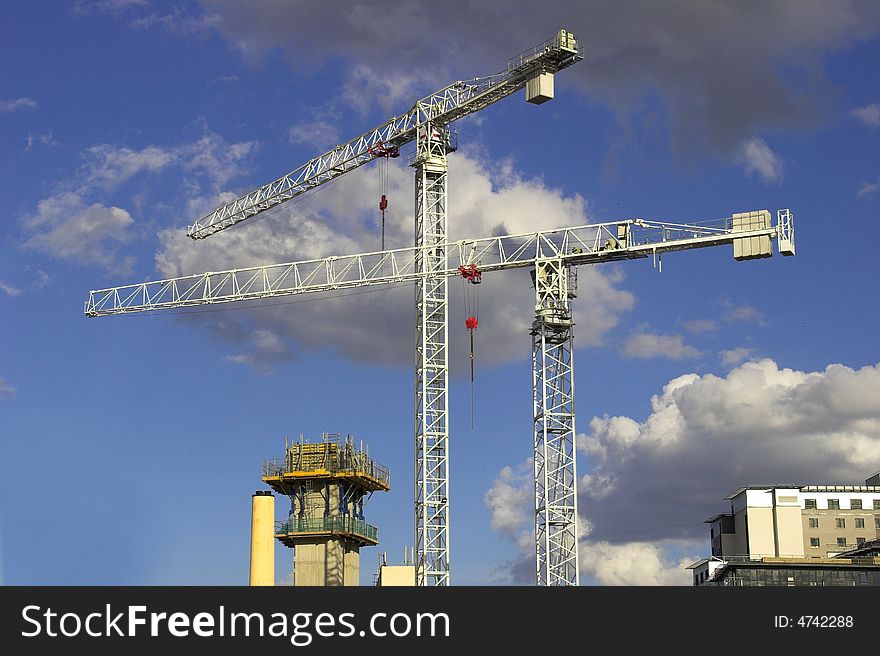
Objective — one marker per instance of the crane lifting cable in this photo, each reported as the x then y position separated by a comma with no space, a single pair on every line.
383,152
471,276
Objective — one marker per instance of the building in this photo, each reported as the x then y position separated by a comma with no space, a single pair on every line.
327,483
795,535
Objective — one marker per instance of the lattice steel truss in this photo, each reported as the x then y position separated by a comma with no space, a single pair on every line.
439,108
432,361
554,427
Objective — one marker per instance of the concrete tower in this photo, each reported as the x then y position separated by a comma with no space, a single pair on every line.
327,483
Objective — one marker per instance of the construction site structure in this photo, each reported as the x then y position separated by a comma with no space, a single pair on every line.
328,483
551,254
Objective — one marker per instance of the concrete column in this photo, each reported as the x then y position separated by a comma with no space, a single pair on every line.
262,569
352,564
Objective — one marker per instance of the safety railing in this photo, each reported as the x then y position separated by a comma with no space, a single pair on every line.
344,524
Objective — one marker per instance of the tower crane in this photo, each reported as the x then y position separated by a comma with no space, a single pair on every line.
553,256
426,123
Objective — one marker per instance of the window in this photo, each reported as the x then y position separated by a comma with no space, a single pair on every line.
833,504
860,541
855,504
876,504
814,542
810,504
841,542
814,522
860,522
877,522
841,522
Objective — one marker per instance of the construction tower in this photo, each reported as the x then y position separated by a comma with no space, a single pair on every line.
327,483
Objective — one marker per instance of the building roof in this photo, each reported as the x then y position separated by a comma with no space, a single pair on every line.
805,488
785,486
717,516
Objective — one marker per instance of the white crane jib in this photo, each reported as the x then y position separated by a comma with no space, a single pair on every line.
588,244
439,108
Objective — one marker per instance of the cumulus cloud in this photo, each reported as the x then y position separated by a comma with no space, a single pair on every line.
66,227
367,86
650,483
510,500
16,104
264,349
75,223
869,115
644,345
766,424
757,157
722,70
736,355
637,563
482,201
316,134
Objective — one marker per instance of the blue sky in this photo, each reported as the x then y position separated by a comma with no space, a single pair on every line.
131,445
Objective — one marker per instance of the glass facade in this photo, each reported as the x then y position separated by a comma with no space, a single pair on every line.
769,576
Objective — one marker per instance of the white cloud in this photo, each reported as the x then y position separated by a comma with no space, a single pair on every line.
482,201
867,189
76,224
636,563
645,346
16,104
178,22
41,139
264,348
700,326
510,500
735,356
396,91
707,436
742,313
107,6
8,289
757,157
41,279
6,390
869,115
316,134
65,227
108,166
